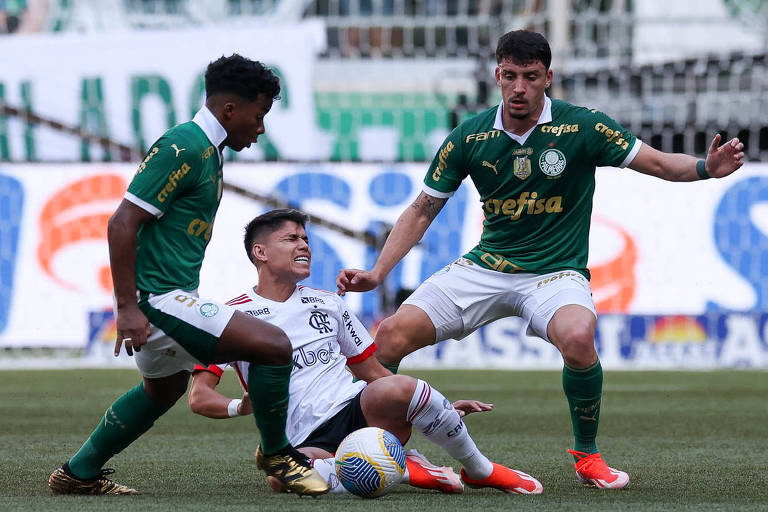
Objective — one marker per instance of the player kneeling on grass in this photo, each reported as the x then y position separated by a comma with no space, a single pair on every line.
326,403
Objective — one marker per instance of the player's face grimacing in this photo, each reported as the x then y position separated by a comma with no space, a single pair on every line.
244,121
522,86
287,252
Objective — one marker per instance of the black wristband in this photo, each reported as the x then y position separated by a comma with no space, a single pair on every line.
701,170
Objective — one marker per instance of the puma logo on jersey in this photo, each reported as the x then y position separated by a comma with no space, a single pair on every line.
492,166
176,148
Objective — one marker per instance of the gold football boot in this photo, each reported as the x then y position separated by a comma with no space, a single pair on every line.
292,468
62,481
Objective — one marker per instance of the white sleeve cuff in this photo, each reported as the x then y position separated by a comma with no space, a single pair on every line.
143,204
632,153
436,193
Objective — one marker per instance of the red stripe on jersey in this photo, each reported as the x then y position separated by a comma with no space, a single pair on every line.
242,299
243,381
214,369
426,392
365,354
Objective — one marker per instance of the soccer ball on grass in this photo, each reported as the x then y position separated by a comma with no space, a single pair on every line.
370,462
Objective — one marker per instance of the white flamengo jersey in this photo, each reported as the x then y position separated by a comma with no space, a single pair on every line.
325,337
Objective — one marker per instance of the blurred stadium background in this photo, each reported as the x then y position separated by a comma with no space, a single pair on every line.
371,88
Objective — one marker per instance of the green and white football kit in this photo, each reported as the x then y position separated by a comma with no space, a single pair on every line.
536,191
180,183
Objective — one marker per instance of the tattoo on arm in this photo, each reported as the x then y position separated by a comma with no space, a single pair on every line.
428,205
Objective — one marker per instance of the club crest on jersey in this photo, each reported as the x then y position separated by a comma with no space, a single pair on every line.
209,309
522,167
319,320
552,162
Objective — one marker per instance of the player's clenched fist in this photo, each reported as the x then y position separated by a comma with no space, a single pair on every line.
355,280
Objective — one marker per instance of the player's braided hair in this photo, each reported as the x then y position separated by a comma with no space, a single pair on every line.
241,76
524,47
268,223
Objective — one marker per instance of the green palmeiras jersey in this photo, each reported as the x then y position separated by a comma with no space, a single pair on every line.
536,189
180,183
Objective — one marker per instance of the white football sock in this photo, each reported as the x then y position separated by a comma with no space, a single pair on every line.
327,469
434,416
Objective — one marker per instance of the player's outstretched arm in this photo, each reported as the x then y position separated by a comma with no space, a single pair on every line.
132,326
722,160
406,233
206,401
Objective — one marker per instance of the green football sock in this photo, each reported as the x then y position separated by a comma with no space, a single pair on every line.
125,421
584,388
268,388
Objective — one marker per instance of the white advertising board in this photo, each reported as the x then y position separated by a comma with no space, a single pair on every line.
680,271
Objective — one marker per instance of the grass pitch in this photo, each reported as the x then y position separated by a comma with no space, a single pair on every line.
689,440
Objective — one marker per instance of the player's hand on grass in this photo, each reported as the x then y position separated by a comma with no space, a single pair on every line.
355,280
465,407
246,407
132,329
724,160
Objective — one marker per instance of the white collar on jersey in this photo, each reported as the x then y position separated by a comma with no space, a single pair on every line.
545,117
211,127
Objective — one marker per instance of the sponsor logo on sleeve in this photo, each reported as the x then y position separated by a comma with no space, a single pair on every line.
347,319
614,136
442,157
173,181
143,165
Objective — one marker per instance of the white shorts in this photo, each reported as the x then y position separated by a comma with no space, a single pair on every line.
185,332
463,296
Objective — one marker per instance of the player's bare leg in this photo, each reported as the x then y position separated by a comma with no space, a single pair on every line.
408,330
572,331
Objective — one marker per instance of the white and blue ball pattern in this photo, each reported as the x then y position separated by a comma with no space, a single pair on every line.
370,462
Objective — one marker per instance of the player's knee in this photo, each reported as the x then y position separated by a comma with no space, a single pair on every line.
393,340
400,388
577,345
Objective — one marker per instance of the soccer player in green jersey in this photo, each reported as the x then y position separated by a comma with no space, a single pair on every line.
157,240
532,160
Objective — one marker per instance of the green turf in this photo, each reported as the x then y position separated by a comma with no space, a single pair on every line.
689,440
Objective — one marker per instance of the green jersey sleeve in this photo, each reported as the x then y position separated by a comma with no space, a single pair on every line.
165,172
611,143
447,169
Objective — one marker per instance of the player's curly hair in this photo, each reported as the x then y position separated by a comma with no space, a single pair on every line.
524,47
241,76
268,223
